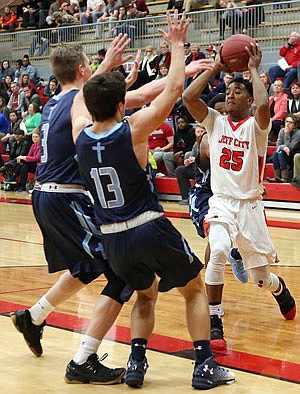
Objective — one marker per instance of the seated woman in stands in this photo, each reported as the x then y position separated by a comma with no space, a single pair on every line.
29,162
266,80
288,144
278,103
293,101
33,119
25,81
6,70
7,85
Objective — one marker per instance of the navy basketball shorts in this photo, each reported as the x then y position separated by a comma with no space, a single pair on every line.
71,239
198,203
155,247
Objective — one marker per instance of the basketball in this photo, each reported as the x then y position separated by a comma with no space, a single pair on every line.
233,52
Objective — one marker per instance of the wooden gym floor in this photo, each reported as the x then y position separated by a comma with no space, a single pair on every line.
263,348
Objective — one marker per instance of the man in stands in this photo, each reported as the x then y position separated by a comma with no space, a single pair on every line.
16,99
8,20
291,53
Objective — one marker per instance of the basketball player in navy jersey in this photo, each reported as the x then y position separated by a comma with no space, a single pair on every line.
237,145
138,239
65,213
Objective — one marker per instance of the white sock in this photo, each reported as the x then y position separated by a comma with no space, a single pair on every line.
40,311
215,310
87,347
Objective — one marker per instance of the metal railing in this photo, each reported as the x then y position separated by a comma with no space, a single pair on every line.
270,24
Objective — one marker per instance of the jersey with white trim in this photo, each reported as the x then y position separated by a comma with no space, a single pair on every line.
58,154
237,156
121,189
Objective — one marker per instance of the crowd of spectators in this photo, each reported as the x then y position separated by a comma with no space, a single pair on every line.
21,102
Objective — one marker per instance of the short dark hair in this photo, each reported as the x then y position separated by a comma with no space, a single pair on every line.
219,98
102,93
245,82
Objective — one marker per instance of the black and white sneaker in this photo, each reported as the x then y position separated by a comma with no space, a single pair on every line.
136,371
92,371
31,333
209,374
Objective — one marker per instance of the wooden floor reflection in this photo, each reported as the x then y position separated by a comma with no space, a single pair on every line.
262,347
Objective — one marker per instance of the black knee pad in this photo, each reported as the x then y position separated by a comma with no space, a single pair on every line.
116,288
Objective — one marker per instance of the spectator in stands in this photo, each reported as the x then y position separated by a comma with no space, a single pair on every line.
187,171
191,5
184,140
266,80
278,110
16,100
25,81
142,6
160,141
94,10
43,10
296,175
293,101
177,4
231,16
196,53
3,107
28,163
110,14
164,56
30,13
163,70
52,88
28,68
148,65
187,53
6,70
14,125
8,20
31,96
118,27
94,63
54,7
288,144
7,87
32,120
136,26
291,53
19,148
252,15
222,86
17,75
41,39
3,129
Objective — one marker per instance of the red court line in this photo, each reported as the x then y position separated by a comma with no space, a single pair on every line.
21,241
242,361
270,223
15,200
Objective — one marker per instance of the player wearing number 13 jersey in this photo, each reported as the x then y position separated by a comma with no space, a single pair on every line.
238,145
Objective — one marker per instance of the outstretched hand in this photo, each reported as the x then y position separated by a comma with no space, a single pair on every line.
198,65
132,76
114,55
255,56
177,29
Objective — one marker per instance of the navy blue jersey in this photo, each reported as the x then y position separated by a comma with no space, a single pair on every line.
58,155
202,170
108,165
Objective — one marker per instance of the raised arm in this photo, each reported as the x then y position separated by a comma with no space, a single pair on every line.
114,58
261,97
197,107
148,119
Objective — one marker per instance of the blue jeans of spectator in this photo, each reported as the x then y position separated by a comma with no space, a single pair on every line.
92,18
288,75
44,44
281,160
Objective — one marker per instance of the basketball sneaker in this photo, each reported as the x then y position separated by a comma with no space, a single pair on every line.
238,268
31,333
209,374
136,371
286,302
92,371
217,341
